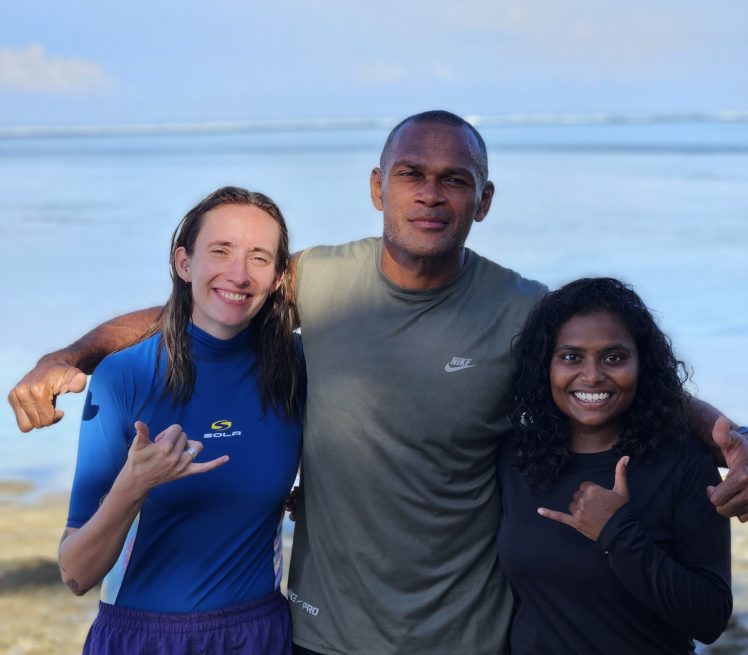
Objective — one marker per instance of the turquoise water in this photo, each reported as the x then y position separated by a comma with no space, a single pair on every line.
85,224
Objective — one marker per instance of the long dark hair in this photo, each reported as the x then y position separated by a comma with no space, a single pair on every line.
657,416
271,334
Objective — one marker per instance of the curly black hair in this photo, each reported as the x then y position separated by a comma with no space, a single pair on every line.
657,417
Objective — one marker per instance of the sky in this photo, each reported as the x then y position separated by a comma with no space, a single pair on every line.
86,61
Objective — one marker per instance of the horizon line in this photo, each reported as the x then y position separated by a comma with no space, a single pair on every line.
387,122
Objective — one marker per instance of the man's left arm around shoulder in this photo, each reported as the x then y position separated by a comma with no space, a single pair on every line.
730,449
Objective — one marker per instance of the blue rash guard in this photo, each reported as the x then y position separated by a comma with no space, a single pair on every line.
210,540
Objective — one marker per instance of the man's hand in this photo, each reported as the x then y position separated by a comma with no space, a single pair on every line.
593,505
291,503
33,398
730,497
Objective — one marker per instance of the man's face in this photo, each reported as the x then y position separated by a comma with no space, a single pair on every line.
430,191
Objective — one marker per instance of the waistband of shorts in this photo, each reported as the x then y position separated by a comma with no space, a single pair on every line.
143,620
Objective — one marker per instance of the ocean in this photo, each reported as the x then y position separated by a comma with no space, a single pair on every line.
86,217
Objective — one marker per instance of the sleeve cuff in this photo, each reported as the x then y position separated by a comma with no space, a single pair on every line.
613,528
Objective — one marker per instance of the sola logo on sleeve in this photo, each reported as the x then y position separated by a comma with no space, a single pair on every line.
458,364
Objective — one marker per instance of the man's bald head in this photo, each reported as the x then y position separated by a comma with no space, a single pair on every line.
439,117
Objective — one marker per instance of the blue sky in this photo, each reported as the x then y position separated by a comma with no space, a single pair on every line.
222,60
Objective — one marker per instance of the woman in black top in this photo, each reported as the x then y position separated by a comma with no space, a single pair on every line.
607,536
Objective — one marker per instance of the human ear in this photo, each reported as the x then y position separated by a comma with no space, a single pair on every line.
485,201
375,184
182,264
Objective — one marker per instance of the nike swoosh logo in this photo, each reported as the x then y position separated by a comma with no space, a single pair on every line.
451,369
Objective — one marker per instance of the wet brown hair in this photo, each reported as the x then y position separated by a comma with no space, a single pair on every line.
271,334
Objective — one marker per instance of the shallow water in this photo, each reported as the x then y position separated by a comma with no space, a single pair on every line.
85,224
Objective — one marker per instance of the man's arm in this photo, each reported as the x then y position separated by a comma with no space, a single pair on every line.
701,421
730,449
730,497
33,398
290,281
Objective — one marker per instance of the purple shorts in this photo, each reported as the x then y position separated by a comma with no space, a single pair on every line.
262,627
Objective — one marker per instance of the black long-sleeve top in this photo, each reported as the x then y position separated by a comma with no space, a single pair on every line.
657,577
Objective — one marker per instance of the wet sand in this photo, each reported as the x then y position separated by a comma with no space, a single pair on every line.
39,616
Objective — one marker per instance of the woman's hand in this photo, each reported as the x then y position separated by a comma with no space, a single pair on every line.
169,457
88,553
592,505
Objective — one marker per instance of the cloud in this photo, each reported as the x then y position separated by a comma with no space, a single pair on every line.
443,73
31,69
380,72
583,35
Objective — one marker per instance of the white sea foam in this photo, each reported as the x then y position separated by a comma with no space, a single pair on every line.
374,123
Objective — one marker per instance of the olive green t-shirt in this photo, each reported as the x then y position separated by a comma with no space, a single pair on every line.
408,392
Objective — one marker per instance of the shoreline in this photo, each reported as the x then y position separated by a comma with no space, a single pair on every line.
39,615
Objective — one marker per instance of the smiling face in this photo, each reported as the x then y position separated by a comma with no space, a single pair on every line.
593,373
430,191
232,268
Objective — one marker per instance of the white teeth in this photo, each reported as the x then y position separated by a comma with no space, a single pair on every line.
235,297
591,397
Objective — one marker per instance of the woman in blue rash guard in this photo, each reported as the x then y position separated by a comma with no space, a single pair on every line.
185,531
607,537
